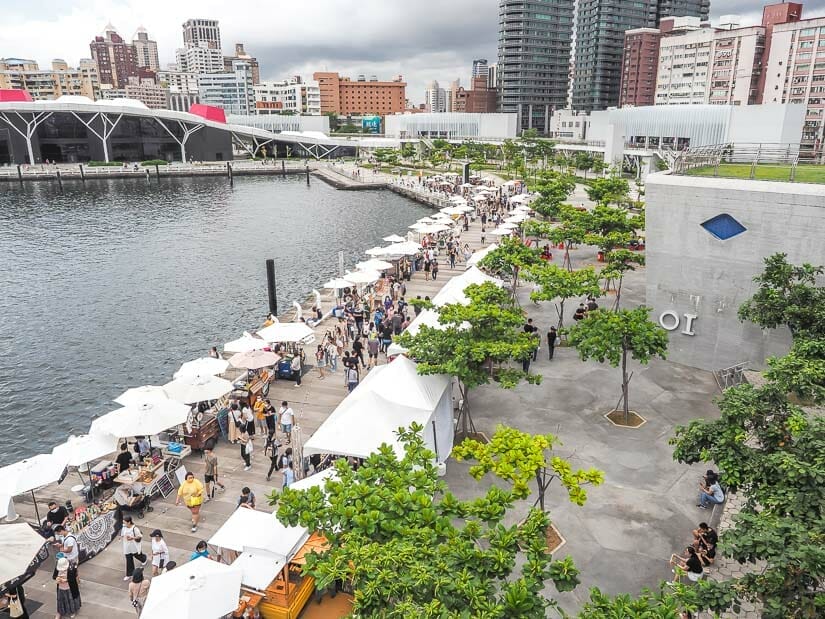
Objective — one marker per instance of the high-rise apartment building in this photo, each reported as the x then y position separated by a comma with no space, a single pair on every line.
240,54
435,98
202,32
492,76
146,50
147,91
479,68
599,42
45,84
291,96
182,87
478,100
200,59
341,95
116,59
640,64
534,45
684,66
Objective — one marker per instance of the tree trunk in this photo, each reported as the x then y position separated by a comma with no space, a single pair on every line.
618,294
625,403
542,487
567,262
560,312
465,420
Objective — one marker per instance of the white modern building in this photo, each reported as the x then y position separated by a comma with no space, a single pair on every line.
435,98
278,123
569,126
233,92
290,96
451,126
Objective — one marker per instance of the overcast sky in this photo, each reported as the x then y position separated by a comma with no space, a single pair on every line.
421,40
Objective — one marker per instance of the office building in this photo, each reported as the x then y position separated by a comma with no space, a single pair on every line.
146,50
202,33
341,95
290,96
233,92
116,59
600,28
49,84
533,66
240,54
480,68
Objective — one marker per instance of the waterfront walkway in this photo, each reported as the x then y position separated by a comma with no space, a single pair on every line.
103,591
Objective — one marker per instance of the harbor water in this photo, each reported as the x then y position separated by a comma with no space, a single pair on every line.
113,284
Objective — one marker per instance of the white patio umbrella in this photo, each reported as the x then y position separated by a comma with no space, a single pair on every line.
288,332
203,365
19,545
500,231
254,359
78,450
425,220
337,284
516,219
374,264
193,389
452,210
418,226
362,277
508,225
394,238
406,248
145,420
245,343
31,473
377,251
465,207
147,394
194,590
434,228
477,256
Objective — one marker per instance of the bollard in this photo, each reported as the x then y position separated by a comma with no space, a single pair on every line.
283,167
59,180
82,173
148,176
270,287
20,175
157,171
307,171
230,174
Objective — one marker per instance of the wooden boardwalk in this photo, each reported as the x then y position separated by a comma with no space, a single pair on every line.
103,591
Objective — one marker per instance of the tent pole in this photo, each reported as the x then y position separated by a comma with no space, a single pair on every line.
36,511
435,440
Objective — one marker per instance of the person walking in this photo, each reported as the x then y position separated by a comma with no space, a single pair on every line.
259,409
138,590
132,538
67,605
210,473
191,493
16,603
352,379
271,419
160,552
289,476
248,421
287,419
271,451
235,422
320,361
532,331
552,335
296,366
435,269
247,448
332,355
372,349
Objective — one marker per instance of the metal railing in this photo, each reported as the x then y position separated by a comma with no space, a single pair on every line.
727,160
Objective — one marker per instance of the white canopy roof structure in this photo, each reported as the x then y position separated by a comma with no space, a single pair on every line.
391,396
248,528
147,394
287,332
477,256
500,231
453,291
407,248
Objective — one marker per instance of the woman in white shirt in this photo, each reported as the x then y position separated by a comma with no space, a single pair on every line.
160,552
131,537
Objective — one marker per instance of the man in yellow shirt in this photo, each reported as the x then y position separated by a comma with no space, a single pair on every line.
191,491
258,408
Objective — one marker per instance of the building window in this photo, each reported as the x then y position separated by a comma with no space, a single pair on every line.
723,227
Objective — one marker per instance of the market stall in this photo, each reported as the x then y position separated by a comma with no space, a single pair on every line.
390,396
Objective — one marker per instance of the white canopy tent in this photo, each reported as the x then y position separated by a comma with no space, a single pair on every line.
453,291
194,590
394,238
249,528
258,567
147,394
477,256
287,332
391,396
316,479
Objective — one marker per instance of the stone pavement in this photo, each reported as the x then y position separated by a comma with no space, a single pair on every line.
725,568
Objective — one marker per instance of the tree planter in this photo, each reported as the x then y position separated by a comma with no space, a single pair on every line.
634,419
553,537
476,436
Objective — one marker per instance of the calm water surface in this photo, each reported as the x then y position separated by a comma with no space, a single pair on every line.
115,284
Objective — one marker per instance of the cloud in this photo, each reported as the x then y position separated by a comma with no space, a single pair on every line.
423,40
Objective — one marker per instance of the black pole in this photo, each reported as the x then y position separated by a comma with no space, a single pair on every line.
82,173
157,171
283,167
59,180
20,175
148,176
270,287
231,175
307,170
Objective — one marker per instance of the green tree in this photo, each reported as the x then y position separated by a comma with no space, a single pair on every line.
610,189
410,548
802,371
773,455
556,283
474,340
553,188
572,230
407,150
788,295
612,336
584,161
520,458
509,259
619,262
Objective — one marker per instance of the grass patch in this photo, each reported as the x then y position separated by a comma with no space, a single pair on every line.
805,173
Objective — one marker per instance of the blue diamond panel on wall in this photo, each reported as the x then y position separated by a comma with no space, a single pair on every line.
723,227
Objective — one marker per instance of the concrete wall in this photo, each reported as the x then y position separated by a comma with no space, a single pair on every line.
689,271
773,123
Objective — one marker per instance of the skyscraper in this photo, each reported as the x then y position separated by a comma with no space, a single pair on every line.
116,60
146,50
600,28
534,45
198,31
435,98
479,68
